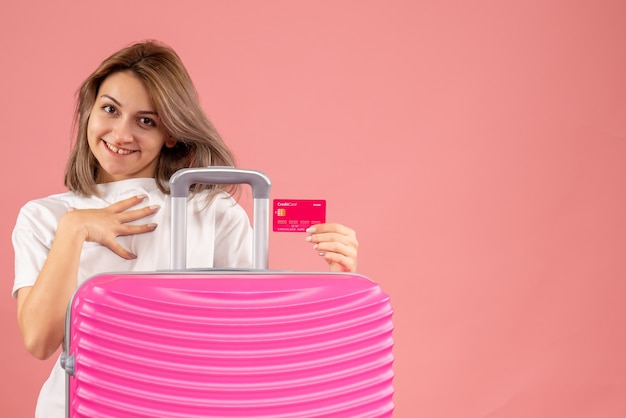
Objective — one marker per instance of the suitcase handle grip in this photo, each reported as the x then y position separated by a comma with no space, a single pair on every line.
181,181
184,178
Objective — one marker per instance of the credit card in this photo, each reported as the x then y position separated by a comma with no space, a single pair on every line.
296,215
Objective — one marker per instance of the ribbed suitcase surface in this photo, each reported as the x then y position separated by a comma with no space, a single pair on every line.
265,344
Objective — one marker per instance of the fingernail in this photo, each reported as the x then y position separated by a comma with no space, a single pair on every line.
152,225
154,207
321,253
310,230
315,247
133,256
309,238
142,196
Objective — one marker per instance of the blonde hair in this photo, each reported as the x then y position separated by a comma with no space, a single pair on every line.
174,96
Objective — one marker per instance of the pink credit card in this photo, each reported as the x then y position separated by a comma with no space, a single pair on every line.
293,215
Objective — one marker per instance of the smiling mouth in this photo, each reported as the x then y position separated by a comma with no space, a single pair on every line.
117,150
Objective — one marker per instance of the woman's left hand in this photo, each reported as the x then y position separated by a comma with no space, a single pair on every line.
337,244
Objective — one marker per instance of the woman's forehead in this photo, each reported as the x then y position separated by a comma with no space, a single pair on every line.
128,90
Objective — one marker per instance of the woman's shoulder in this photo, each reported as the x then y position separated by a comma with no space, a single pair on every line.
52,207
42,214
214,200
50,203
223,205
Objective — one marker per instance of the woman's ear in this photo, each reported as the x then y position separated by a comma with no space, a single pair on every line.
170,142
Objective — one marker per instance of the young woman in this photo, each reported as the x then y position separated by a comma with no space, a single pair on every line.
138,120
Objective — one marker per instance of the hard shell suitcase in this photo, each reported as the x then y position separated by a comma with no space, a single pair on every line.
254,343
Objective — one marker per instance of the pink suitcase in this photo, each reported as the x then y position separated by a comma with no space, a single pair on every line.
257,343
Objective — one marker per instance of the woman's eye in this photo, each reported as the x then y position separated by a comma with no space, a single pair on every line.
147,121
108,108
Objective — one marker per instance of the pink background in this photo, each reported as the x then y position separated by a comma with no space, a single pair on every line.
476,146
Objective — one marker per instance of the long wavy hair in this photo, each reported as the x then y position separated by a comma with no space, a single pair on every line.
176,101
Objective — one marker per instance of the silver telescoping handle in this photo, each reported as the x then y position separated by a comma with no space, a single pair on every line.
180,183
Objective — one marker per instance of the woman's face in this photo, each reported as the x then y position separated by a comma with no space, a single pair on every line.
124,130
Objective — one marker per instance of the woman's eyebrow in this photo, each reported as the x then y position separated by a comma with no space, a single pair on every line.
141,112
113,99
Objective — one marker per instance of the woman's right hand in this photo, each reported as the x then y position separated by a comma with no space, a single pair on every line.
41,308
105,225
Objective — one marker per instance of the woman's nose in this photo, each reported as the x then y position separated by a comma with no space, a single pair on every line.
122,131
